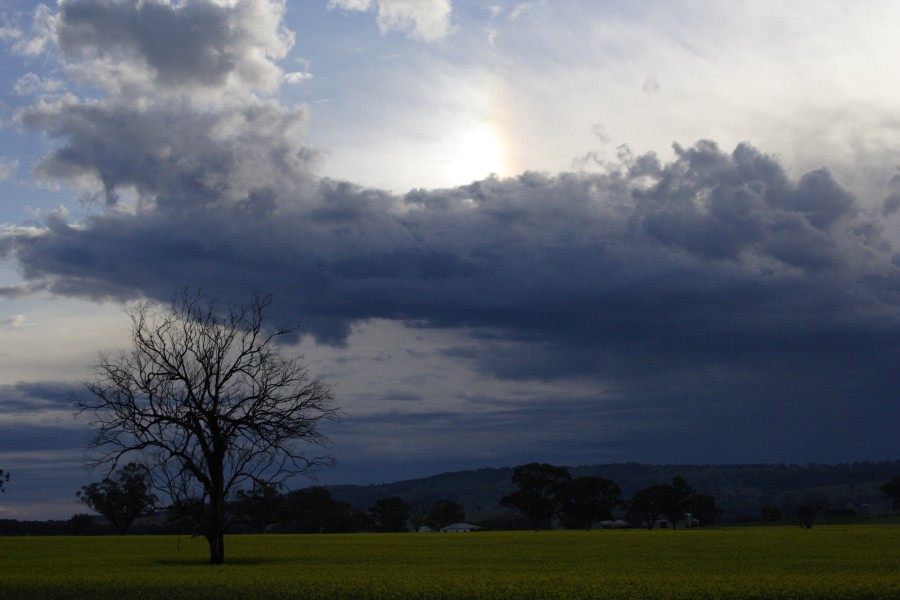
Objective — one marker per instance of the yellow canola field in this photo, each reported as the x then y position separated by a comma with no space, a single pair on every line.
827,562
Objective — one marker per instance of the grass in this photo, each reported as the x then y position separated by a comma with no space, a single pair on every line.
830,562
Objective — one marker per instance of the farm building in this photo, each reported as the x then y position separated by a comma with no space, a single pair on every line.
459,528
617,524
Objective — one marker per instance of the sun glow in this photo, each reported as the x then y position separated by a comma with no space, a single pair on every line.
481,140
480,153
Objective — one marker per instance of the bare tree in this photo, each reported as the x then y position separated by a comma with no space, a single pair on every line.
208,402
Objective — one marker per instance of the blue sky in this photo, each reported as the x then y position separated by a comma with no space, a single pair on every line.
569,231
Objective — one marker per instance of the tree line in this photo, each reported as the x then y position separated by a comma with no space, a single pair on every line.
546,496
548,493
126,496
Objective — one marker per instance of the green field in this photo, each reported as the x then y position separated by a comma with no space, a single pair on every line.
838,562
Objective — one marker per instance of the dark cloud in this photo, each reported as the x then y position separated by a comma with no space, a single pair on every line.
173,157
35,397
200,43
712,254
43,450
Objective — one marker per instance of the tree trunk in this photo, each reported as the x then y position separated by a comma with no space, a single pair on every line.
216,535
216,548
215,526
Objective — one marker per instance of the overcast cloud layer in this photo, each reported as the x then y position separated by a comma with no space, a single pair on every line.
709,305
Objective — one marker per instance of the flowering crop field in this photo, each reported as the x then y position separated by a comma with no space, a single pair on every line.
827,562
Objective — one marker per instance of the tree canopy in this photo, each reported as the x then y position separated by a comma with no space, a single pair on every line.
586,500
445,512
672,500
390,514
121,498
536,498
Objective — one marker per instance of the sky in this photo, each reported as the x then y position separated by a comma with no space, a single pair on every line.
564,231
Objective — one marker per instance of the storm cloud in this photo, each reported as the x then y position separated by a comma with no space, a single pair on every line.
711,257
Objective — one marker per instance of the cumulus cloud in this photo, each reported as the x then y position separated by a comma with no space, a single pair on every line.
188,45
182,121
173,157
711,246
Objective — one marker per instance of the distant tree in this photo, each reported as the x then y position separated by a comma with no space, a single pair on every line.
390,514
260,507
704,509
342,518
79,524
121,498
418,513
206,398
585,500
770,511
891,490
804,509
672,500
537,497
4,477
363,521
446,512
649,503
313,510
678,500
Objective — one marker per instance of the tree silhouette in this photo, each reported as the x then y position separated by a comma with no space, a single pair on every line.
446,512
669,499
121,498
313,510
891,490
390,514
209,403
585,500
536,498
260,507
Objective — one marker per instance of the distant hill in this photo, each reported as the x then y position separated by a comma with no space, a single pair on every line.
740,490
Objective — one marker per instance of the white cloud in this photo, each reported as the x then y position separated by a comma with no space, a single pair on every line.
8,168
32,83
427,20
519,9
9,31
14,322
42,33
297,77
360,5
